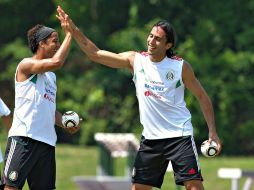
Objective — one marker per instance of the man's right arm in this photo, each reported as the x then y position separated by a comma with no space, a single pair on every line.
110,59
35,66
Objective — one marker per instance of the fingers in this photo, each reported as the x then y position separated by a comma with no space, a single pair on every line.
61,19
219,146
73,130
65,20
218,142
66,17
61,12
60,9
216,139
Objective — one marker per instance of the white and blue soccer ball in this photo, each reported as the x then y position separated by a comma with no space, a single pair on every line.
209,150
70,119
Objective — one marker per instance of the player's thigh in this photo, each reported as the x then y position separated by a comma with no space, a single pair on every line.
43,175
19,161
185,162
150,164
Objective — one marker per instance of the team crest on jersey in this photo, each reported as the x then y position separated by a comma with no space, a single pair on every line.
13,176
170,75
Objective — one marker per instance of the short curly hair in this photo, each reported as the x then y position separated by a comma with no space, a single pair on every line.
32,37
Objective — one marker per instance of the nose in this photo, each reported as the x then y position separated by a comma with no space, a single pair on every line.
58,45
152,40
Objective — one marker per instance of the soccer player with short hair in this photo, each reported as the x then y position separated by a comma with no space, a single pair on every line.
30,151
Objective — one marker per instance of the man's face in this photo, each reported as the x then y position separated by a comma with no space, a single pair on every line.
52,45
157,44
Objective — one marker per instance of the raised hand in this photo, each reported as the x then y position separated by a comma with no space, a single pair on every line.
65,19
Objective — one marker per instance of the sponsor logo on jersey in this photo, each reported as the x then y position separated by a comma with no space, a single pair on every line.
154,82
149,93
155,88
49,92
48,85
47,97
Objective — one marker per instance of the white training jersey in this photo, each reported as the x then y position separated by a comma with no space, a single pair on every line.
35,107
4,110
160,93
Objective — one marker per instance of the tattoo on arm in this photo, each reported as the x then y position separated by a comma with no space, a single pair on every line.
84,42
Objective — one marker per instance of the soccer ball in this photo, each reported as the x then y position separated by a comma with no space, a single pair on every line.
209,150
70,119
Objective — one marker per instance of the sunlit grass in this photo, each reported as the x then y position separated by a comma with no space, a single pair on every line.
82,161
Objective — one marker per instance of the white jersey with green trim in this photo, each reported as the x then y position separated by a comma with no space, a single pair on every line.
160,93
35,107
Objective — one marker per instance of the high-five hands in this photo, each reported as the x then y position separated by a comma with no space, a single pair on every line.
65,19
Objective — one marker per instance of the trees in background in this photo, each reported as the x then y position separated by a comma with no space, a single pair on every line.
214,37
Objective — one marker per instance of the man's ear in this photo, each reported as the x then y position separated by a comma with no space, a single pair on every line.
169,45
41,43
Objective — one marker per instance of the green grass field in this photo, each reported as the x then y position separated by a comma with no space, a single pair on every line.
76,161
82,161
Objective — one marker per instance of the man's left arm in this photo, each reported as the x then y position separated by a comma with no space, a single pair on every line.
192,83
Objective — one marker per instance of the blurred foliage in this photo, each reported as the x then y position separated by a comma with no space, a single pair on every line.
215,37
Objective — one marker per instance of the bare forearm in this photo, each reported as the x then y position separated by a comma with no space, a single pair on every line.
58,119
103,57
207,109
62,52
86,45
107,58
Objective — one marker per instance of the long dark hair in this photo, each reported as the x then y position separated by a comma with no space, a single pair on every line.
170,35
